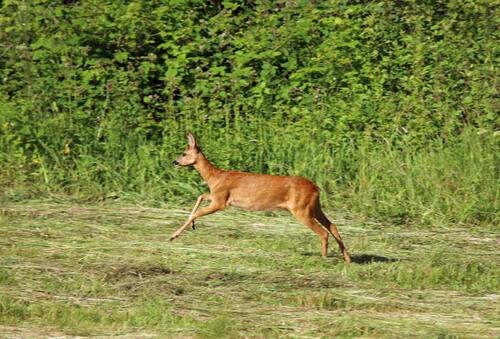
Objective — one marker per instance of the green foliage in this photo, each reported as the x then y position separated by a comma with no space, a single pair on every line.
365,97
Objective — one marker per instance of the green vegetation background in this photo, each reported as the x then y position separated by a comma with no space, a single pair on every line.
390,106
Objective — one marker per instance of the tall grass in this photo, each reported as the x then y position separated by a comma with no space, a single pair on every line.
440,183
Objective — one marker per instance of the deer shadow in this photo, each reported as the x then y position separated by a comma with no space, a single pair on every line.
361,259
369,258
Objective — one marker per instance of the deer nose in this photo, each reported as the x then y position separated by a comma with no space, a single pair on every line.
174,162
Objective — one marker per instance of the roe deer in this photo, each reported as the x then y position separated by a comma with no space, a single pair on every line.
258,192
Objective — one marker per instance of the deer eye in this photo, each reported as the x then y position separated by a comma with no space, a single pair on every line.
184,154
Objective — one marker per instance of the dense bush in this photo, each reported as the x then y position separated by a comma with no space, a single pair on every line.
366,97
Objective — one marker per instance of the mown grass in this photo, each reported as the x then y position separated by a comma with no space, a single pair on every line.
107,270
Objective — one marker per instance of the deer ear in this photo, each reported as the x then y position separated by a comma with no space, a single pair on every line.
191,140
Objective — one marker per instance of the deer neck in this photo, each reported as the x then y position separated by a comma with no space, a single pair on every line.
207,171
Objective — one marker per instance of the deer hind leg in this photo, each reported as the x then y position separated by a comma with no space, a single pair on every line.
306,217
321,217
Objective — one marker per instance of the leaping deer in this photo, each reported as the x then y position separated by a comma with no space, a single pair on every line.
257,192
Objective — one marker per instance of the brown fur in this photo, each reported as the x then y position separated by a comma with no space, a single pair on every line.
258,192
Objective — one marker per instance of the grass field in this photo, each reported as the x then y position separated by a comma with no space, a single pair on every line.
68,269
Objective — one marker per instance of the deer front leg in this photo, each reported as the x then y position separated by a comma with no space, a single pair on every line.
198,202
213,207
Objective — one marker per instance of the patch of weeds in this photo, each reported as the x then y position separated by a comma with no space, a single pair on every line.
74,319
319,301
355,328
446,335
455,273
151,312
220,327
6,276
226,278
119,272
13,310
